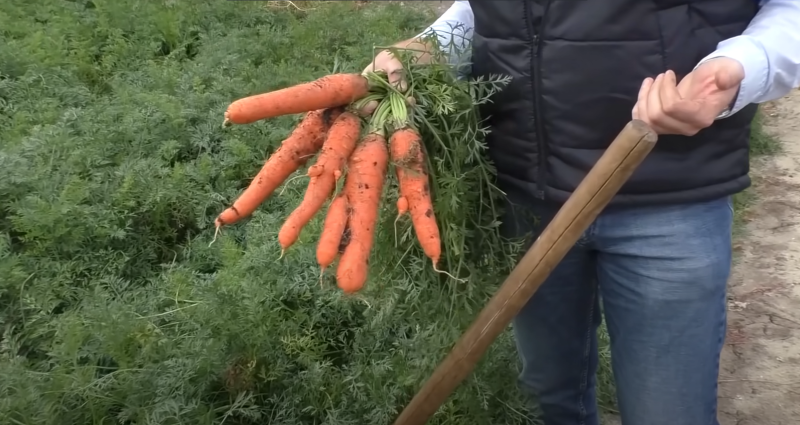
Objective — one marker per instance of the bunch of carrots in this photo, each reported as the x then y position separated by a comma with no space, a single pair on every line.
349,146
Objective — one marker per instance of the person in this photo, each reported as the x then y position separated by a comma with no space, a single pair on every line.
659,256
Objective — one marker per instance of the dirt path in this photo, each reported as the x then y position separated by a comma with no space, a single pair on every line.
760,372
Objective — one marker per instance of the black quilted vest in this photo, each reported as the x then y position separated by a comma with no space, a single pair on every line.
576,68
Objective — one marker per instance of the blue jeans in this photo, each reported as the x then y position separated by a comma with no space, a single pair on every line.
661,272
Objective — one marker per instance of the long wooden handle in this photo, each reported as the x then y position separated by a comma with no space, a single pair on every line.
602,182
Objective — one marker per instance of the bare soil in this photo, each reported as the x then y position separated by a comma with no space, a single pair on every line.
760,372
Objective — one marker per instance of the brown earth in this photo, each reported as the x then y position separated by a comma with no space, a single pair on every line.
760,373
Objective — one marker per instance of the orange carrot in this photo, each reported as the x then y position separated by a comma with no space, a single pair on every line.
332,232
327,92
362,187
406,148
305,141
338,146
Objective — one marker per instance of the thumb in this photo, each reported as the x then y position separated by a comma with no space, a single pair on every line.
729,77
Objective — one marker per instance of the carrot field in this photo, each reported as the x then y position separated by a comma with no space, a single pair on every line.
116,308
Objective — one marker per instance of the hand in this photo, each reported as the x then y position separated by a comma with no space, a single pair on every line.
385,62
694,103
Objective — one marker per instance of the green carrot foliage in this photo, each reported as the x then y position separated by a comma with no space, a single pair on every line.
114,309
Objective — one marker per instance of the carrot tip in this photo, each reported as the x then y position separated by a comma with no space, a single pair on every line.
395,230
283,251
216,233
358,298
446,274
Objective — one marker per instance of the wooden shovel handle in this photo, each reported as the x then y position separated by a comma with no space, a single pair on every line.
602,182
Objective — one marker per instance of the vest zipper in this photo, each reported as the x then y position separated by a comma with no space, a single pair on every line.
537,32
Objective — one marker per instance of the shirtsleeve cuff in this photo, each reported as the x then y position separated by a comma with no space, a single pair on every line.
755,61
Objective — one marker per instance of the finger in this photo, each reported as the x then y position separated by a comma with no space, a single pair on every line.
369,108
640,109
687,111
397,78
668,93
677,112
653,100
374,66
645,89
658,116
381,61
728,79
394,71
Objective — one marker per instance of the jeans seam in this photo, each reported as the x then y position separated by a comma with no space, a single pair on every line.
586,355
720,344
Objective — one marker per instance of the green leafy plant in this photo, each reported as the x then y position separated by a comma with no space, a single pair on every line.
114,309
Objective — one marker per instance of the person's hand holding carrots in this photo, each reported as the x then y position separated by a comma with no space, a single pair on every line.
386,62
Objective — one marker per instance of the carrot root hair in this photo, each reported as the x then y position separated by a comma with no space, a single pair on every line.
286,183
437,270
402,209
217,231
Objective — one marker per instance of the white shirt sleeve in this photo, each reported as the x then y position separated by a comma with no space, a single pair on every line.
454,30
769,51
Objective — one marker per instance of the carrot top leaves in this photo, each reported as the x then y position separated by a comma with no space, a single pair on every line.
466,201
380,118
